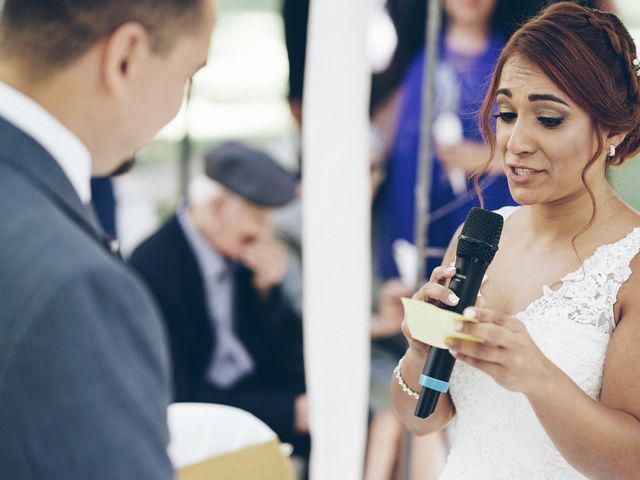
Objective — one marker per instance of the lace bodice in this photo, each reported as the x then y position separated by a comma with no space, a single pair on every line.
496,434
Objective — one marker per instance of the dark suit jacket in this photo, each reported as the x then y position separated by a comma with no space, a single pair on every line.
83,366
269,329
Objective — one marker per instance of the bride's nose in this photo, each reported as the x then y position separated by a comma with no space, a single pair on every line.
520,141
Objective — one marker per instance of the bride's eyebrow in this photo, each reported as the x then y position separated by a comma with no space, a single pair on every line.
534,97
541,97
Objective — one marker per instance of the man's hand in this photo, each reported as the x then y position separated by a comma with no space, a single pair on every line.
267,259
301,414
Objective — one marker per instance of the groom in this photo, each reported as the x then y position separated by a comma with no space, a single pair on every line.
84,382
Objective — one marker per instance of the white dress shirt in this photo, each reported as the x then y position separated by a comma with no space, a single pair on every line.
230,361
70,153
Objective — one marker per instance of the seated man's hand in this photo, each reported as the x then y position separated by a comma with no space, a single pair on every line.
267,259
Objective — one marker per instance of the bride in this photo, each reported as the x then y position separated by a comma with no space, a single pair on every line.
554,391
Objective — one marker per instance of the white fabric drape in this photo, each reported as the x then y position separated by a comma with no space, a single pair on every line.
200,431
336,235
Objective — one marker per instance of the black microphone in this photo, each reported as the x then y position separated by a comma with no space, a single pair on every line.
477,245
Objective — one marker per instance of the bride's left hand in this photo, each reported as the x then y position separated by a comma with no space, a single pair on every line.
508,353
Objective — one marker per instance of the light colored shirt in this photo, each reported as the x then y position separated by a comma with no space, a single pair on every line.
230,360
67,149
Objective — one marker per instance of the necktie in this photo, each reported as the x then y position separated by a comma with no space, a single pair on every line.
231,360
111,244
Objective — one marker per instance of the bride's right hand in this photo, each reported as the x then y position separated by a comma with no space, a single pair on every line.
435,292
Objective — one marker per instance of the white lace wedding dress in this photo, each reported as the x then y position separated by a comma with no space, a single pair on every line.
496,434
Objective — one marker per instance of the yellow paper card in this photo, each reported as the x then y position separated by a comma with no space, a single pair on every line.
263,461
433,325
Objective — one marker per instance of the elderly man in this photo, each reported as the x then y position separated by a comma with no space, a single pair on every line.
84,377
216,270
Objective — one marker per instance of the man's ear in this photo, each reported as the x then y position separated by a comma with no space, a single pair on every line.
219,203
124,54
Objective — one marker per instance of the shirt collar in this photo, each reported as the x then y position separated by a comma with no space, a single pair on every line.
67,149
211,262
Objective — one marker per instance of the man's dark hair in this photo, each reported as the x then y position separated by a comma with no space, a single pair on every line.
53,33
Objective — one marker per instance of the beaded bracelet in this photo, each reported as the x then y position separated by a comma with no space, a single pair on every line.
405,388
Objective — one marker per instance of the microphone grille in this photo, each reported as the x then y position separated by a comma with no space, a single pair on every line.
483,229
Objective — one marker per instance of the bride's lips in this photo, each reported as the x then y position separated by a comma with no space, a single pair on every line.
521,174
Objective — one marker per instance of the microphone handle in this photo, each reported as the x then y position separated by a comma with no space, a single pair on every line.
437,369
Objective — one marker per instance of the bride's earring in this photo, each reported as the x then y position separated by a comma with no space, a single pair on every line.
612,150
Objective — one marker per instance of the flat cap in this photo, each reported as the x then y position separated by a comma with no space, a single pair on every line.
250,173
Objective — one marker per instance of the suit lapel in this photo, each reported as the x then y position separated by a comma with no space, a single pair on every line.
192,285
29,158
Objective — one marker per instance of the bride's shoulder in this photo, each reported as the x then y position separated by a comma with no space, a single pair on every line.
628,298
624,227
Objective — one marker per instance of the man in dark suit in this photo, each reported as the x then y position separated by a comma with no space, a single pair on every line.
84,373
216,272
